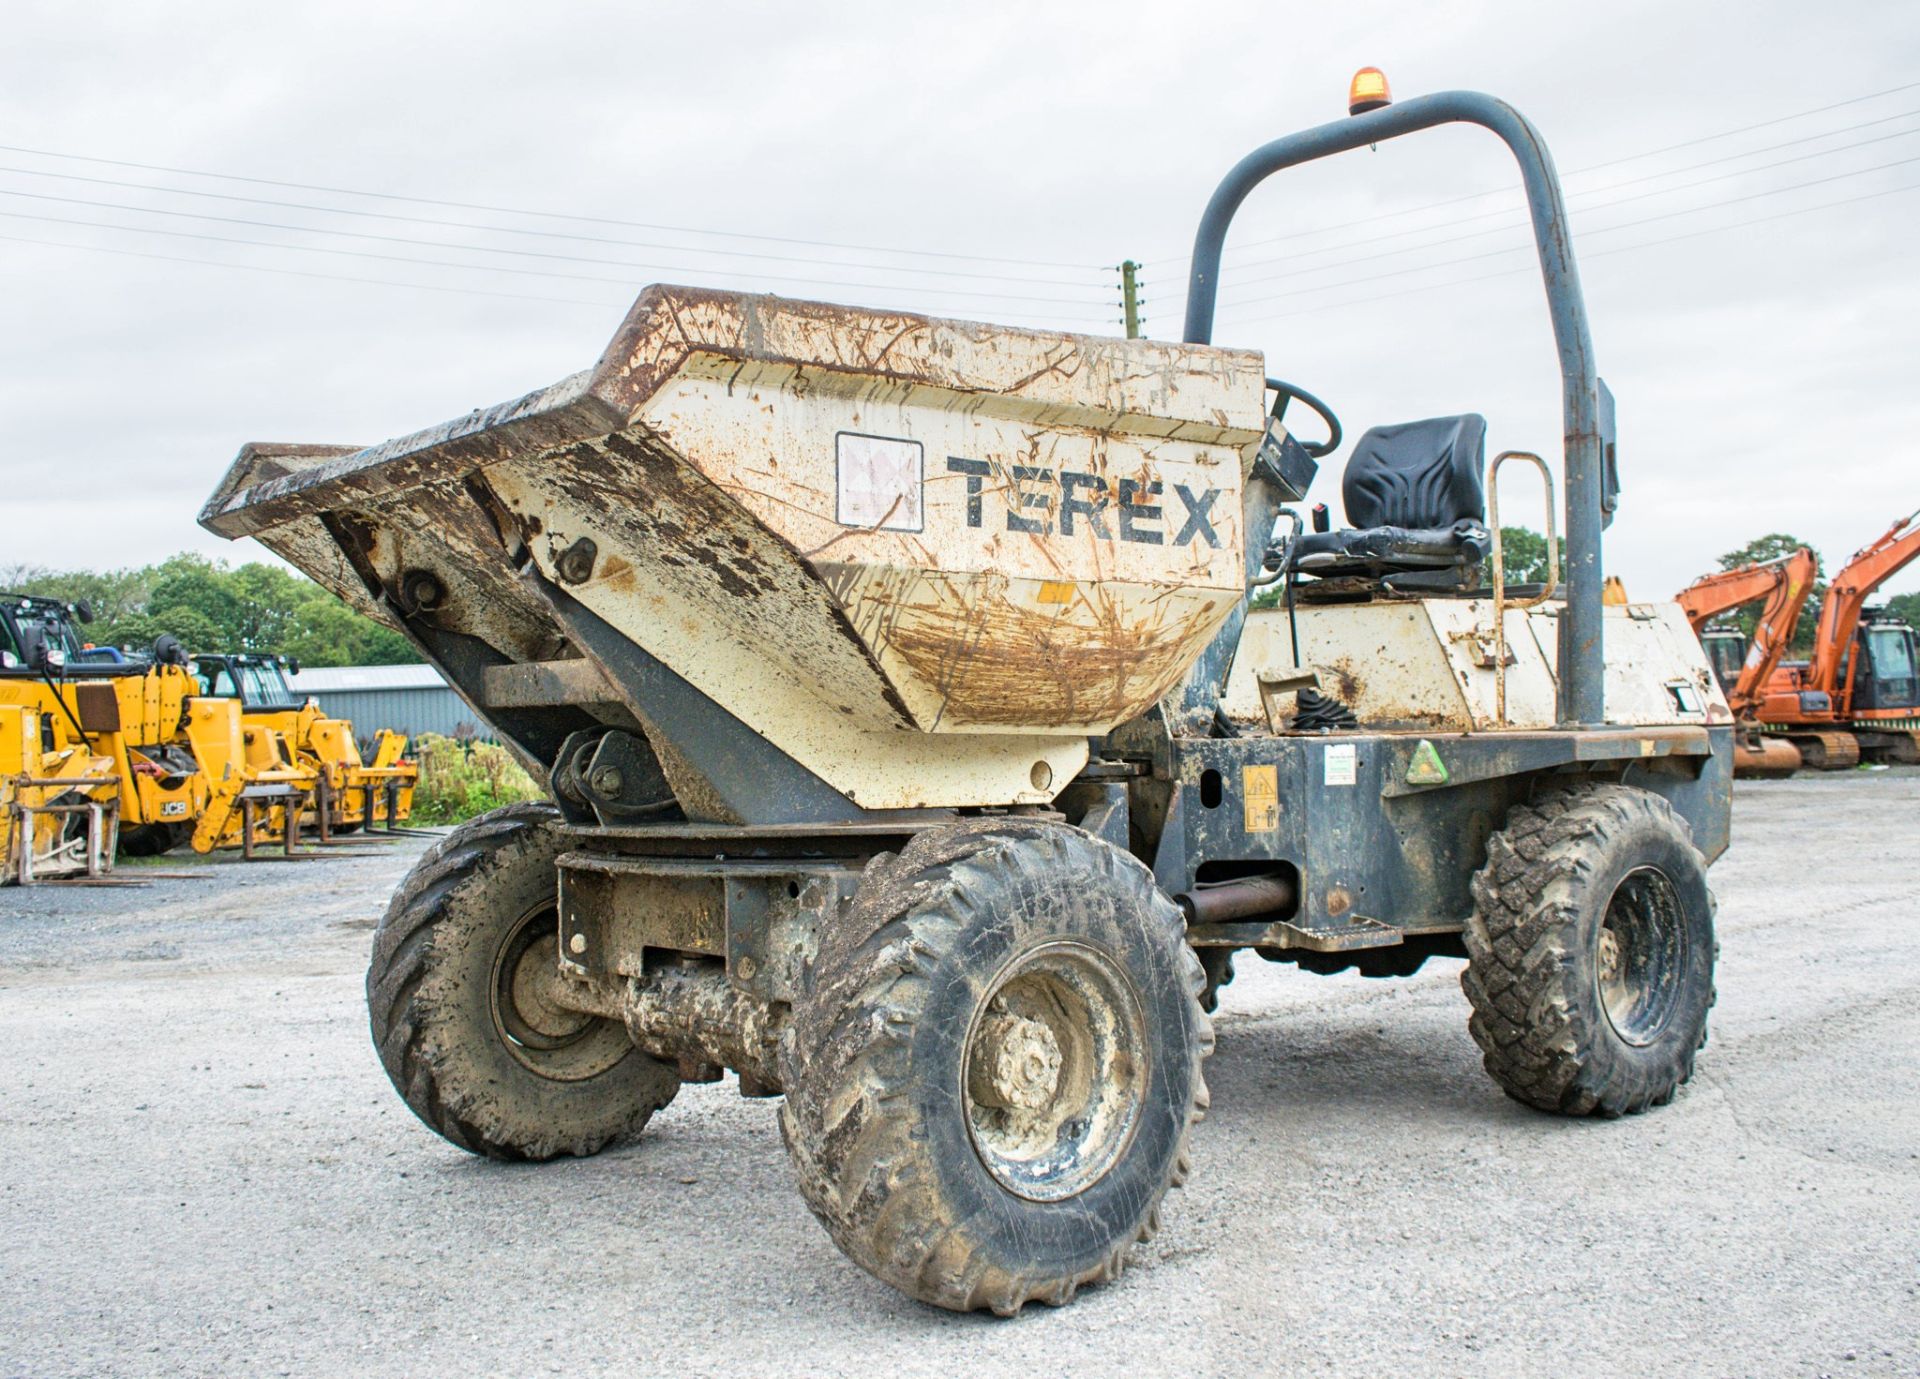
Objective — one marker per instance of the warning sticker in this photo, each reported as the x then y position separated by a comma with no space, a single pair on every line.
880,482
1342,768
1260,789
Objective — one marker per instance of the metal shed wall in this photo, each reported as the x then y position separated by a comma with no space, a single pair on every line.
411,711
411,699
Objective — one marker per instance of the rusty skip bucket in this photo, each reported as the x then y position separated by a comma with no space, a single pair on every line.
924,559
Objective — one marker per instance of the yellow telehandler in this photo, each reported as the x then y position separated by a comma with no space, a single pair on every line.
352,791
186,767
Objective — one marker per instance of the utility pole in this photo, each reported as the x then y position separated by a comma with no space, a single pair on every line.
1130,296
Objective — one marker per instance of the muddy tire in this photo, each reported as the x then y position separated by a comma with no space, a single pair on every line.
993,1074
1591,952
458,995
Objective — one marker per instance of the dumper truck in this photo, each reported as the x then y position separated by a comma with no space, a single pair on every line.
913,753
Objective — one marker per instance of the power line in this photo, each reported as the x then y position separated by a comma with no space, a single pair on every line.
293,272
517,253
301,273
540,234
1596,206
1748,129
1597,254
1576,196
627,283
542,215
1603,230
1579,172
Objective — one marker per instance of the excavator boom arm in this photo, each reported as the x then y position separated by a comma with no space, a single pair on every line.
1848,594
1711,595
1785,583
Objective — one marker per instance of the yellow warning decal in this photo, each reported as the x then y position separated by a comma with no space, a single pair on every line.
1260,790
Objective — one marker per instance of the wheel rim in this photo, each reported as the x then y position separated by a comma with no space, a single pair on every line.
1056,1071
1640,955
547,1037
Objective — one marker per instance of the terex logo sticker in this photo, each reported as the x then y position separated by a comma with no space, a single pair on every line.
1040,501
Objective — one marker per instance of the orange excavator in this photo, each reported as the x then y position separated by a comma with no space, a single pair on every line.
1859,696
1745,667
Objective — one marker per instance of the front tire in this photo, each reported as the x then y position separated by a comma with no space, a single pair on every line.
1591,952
460,996
992,1077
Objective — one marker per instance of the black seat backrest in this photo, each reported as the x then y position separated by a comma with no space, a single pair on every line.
1418,474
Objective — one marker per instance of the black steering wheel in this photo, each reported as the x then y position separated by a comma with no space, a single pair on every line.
1287,392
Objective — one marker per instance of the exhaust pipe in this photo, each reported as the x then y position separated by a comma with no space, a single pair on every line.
1248,898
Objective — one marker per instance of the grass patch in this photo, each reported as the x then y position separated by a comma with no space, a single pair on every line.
459,779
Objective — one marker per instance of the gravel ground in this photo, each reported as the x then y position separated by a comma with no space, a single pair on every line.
207,1173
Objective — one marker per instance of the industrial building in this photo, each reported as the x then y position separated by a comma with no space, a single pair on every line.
409,699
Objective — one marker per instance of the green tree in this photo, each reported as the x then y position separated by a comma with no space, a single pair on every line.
1775,546
211,607
1523,551
1905,607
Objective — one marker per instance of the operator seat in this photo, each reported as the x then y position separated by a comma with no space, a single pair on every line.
1415,496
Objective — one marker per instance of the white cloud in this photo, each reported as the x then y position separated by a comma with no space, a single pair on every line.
1762,375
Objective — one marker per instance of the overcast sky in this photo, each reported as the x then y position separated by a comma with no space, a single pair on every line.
1762,356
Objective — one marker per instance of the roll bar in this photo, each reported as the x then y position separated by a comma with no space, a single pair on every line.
1582,659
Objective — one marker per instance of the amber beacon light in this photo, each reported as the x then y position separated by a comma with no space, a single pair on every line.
1368,91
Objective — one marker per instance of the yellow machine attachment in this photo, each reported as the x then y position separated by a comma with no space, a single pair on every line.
59,807
361,792
351,791
257,792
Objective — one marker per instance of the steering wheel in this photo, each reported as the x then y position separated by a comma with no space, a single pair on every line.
1287,392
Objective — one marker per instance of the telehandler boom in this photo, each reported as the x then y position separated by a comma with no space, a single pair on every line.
913,752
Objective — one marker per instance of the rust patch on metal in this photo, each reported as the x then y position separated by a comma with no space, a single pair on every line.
1005,663
1345,684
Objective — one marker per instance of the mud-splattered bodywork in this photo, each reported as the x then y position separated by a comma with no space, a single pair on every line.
922,559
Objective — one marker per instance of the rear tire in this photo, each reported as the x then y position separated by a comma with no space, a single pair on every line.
458,996
993,1074
1591,952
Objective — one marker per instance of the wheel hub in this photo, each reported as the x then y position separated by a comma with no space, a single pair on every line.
534,989
1056,1071
1016,1063
536,1026
1640,956
1609,956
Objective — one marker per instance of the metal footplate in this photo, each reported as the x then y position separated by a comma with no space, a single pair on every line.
1355,932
